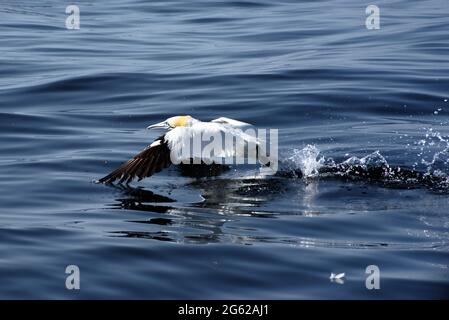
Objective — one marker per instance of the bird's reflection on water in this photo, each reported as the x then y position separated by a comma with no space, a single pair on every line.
132,198
223,200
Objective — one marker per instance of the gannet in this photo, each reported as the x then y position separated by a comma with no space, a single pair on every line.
168,148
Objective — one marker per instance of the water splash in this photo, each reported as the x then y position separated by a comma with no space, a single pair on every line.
434,152
309,163
308,160
374,159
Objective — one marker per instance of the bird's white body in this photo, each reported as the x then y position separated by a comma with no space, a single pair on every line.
220,141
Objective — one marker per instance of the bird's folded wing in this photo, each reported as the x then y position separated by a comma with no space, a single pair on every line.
152,159
232,123
239,129
203,142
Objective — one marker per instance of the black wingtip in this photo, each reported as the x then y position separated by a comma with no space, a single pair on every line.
110,178
104,180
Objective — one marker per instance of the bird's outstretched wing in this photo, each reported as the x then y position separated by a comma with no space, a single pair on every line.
152,159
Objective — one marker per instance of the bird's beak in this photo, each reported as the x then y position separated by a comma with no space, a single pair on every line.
160,125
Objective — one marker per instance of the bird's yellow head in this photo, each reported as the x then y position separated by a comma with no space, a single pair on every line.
179,121
173,122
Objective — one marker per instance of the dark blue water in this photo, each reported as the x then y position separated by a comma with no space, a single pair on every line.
363,126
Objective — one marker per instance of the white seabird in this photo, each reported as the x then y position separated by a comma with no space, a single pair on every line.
168,148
